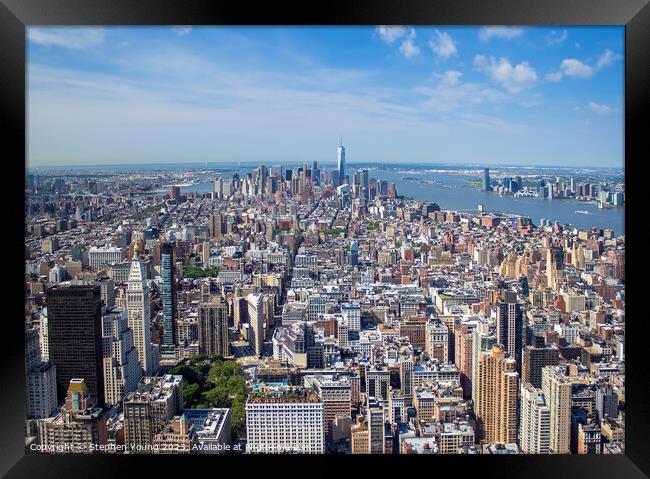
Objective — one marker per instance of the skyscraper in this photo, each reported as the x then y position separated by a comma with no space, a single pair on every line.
75,337
496,401
556,387
536,357
510,329
483,339
535,421
256,322
122,369
213,329
167,346
139,313
340,164
486,180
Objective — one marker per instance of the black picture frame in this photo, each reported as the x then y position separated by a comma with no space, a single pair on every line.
16,15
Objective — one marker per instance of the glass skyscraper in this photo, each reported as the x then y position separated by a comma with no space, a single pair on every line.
167,345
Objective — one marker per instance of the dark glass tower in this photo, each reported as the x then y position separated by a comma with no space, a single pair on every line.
75,337
168,343
510,329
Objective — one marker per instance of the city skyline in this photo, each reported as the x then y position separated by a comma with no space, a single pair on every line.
534,96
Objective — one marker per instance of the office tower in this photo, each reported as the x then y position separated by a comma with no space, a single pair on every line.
175,193
213,329
256,322
535,421
510,329
486,180
376,428
155,401
352,313
438,341
354,253
497,393
40,380
483,339
79,427
216,225
606,402
98,257
406,378
340,162
218,188
360,436
335,394
535,358
75,338
377,383
556,387
122,369
139,313
365,180
168,343
286,421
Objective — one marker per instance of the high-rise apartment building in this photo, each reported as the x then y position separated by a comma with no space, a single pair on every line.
168,342
213,328
535,421
75,338
497,393
510,329
556,387
40,383
483,339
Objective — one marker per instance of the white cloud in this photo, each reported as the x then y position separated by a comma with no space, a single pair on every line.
553,76
451,77
600,109
443,45
576,69
513,78
606,58
182,30
390,33
72,37
556,38
577,45
450,93
572,67
408,47
507,33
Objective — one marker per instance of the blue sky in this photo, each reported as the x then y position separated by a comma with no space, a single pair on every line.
480,95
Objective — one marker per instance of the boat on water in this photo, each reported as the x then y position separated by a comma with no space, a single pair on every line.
583,212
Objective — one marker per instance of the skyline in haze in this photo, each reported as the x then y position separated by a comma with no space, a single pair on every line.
450,95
